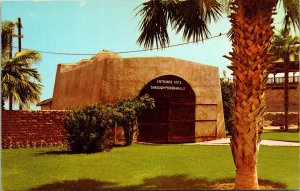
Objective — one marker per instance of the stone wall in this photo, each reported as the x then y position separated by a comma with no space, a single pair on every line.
22,129
275,100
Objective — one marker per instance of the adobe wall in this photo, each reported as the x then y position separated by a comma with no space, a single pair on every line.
275,100
77,87
126,77
104,81
22,129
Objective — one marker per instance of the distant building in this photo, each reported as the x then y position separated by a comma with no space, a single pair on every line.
275,85
187,95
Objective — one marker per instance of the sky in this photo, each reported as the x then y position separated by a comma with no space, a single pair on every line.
90,26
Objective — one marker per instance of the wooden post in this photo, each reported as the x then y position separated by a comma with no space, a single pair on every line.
286,92
19,34
10,96
19,45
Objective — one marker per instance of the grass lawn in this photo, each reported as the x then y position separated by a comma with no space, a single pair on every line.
139,167
292,135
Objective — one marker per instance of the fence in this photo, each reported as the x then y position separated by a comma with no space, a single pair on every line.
280,80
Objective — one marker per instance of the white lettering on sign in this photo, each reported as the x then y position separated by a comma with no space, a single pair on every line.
177,82
176,88
164,81
168,81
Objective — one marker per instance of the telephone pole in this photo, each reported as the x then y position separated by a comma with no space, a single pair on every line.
20,44
19,34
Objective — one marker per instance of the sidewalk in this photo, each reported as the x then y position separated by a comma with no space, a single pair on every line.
226,141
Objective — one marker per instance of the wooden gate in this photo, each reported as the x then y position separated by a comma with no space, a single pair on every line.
173,118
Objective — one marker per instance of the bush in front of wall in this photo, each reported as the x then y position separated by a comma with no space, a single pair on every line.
228,101
129,109
88,128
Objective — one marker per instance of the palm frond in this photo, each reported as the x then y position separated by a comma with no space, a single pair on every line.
284,44
27,57
190,16
210,9
153,25
27,93
187,17
19,80
291,10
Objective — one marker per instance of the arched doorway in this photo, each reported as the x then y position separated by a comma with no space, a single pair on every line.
173,118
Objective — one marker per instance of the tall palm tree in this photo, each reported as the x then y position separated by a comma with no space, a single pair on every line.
7,28
18,79
251,33
21,83
283,46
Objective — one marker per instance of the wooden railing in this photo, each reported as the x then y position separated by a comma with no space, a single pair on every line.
280,80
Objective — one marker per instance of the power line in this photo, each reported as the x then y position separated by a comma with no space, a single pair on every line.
126,52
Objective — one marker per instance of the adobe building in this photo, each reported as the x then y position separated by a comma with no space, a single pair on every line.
188,101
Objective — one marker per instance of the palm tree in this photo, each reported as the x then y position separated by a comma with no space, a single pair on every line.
7,29
21,83
283,46
18,79
251,34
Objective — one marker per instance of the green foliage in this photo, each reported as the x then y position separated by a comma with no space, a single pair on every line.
19,82
188,17
228,101
129,110
88,127
283,45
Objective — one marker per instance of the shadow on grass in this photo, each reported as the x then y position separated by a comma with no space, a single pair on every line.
176,182
81,184
61,152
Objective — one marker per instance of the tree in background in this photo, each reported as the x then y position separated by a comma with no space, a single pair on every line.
20,83
251,35
283,46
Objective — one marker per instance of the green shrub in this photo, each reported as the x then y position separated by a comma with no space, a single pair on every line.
129,109
228,101
88,128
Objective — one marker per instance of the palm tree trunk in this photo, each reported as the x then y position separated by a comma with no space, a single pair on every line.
252,34
286,92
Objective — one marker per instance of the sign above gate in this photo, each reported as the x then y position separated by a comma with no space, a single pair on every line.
169,84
